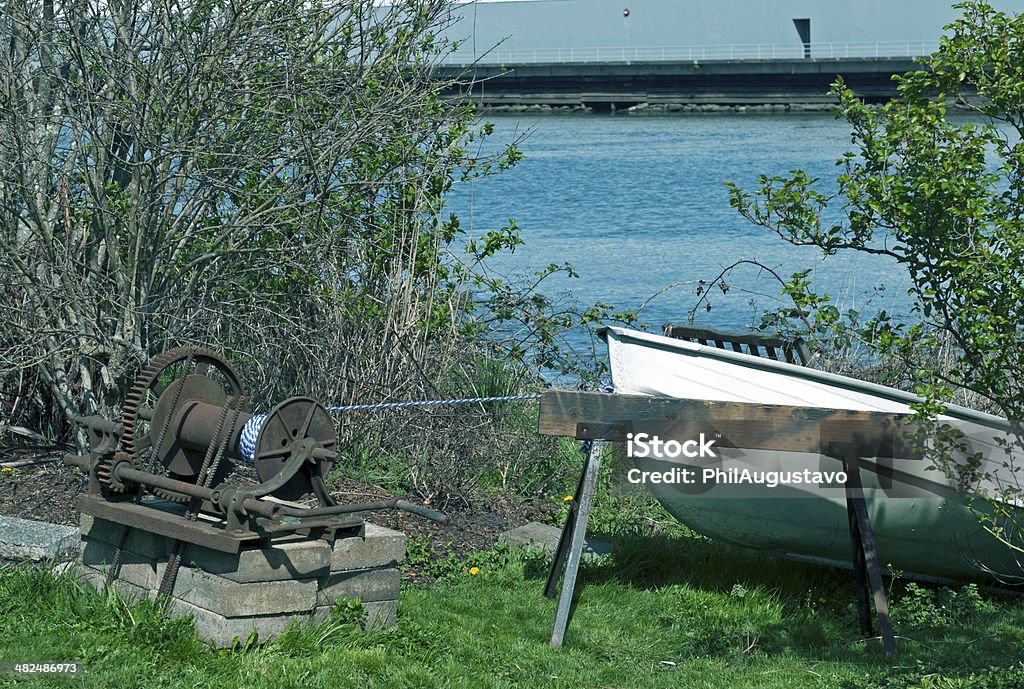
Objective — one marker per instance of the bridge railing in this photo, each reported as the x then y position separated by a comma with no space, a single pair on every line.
701,53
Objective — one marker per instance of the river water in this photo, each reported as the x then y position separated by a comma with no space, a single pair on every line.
638,204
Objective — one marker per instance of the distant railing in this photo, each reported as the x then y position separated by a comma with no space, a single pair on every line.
701,53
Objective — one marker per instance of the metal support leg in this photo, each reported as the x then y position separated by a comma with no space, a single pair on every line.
570,545
866,565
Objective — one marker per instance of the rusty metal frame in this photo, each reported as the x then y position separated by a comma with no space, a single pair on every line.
197,420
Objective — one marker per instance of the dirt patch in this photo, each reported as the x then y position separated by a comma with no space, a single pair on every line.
45,492
49,492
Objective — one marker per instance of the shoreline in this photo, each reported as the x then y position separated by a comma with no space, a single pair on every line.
645,109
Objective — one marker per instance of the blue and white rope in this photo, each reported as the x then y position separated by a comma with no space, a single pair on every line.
251,430
431,403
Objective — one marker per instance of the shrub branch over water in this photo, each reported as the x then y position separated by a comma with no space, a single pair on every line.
943,198
261,177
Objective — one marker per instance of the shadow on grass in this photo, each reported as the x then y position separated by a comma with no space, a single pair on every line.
687,600
741,603
652,562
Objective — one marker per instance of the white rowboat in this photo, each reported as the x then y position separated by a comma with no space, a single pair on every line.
922,525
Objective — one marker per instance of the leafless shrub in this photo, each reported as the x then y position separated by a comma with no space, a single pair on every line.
258,176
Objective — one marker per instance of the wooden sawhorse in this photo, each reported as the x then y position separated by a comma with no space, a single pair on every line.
841,434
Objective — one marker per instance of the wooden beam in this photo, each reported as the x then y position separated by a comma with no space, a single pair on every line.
30,462
866,564
152,519
843,434
570,545
593,415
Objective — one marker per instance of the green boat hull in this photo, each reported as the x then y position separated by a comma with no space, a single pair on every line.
934,534
921,518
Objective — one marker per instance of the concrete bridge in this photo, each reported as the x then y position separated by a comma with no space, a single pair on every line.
677,84
689,53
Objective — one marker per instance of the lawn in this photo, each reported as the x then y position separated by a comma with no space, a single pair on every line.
668,610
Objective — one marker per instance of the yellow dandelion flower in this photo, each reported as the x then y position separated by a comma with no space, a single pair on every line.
7,470
474,570
568,498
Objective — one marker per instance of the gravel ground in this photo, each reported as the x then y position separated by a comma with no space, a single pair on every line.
49,492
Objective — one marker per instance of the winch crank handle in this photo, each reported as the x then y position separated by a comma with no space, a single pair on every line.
98,424
422,511
83,462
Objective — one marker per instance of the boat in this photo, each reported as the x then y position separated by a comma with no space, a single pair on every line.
925,524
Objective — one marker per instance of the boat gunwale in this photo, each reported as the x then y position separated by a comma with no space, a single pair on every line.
677,346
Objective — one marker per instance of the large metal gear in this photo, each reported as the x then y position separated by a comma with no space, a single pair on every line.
152,402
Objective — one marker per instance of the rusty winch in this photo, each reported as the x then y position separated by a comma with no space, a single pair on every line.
166,466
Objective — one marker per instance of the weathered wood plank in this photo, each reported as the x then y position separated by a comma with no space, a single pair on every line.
593,415
863,539
30,462
571,550
150,519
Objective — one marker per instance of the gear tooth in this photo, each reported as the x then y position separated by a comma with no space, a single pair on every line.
105,475
168,495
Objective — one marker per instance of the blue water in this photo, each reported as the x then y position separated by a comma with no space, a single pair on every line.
639,204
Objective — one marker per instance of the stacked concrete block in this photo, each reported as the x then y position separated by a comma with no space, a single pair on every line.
262,589
27,539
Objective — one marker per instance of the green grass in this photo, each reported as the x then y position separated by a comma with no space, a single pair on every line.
665,611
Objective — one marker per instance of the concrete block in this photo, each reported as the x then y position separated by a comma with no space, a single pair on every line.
235,599
380,614
64,568
380,547
134,568
298,559
100,529
84,574
131,592
27,539
144,543
368,585
545,537
223,631
262,589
